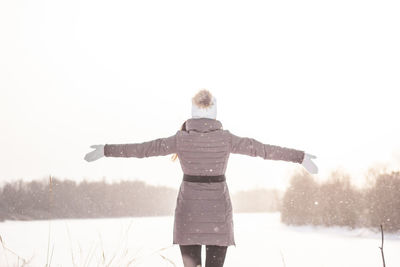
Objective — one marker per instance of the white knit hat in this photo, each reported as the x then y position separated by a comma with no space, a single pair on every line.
204,105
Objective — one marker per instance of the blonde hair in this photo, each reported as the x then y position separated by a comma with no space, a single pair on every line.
175,156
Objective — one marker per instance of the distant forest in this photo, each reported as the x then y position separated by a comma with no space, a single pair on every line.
336,202
53,198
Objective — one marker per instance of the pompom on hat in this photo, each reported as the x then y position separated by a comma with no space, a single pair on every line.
204,105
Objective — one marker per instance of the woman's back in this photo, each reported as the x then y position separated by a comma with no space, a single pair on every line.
203,149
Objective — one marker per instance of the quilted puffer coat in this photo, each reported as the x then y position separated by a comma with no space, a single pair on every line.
203,213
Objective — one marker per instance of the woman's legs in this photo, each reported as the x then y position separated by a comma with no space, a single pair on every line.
191,255
215,255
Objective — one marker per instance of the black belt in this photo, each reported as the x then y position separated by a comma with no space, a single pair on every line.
203,179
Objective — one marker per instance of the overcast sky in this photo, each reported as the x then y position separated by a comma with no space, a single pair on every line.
319,76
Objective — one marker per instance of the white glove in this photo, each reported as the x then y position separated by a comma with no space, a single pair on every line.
96,154
308,164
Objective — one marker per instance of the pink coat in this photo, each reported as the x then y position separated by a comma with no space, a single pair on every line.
203,213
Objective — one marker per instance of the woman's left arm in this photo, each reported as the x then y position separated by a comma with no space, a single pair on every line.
252,147
157,147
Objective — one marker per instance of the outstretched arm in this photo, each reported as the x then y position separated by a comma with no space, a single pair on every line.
157,147
251,147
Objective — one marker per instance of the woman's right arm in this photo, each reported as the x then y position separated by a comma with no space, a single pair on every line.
252,147
156,147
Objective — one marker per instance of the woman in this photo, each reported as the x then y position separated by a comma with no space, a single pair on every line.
203,213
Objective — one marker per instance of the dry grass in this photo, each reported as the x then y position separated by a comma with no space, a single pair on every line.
96,255
20,260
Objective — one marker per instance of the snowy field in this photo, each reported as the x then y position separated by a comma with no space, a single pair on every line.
261,240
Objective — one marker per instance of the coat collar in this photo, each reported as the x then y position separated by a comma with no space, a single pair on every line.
203,124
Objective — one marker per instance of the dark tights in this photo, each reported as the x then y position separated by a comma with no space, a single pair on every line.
191,255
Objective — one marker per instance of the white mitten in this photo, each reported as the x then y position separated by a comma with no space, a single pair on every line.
308,164
96,154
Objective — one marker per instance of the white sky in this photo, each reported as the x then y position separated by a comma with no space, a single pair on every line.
320,76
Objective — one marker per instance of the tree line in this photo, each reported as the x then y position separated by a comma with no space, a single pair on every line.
54,198
336,202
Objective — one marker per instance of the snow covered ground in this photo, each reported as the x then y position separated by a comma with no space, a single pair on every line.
261,240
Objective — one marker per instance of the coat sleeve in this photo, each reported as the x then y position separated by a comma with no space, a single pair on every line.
251,147
157,147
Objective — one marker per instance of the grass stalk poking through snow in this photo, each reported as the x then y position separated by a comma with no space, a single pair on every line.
381,248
